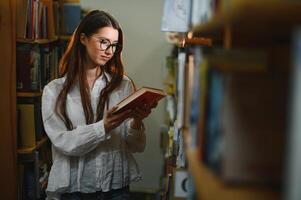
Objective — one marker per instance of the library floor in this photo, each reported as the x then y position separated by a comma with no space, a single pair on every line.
142,196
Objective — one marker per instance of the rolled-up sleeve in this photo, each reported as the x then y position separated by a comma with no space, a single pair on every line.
76,142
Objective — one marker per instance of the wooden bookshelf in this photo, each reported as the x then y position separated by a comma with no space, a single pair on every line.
265,26
37,41
29,94
8,167
209,186
246,21
31,149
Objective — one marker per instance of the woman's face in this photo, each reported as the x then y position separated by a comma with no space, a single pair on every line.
101,46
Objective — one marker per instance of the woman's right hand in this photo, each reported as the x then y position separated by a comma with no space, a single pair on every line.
112,121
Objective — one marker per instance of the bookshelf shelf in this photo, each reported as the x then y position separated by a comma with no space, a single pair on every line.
263,21
210,186
65,37
36,41
197,41
31,149
29,94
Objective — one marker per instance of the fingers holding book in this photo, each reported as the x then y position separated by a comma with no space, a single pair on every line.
154,104
112,121
139,113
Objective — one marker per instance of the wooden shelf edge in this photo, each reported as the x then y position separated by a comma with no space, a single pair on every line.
31,149
198,41
29,94
65,37
37,41
209,186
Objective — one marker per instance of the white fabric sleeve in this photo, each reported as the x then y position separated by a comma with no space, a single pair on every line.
136,139
76,142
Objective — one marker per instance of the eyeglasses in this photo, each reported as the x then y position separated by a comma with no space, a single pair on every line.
105,45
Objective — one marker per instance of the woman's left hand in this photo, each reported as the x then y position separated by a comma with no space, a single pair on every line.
140,113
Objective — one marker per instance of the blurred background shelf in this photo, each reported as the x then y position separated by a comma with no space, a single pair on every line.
252,20
210,186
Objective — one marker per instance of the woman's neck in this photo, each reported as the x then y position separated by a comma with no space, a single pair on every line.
92,75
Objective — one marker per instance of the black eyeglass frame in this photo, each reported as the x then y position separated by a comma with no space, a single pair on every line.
116,45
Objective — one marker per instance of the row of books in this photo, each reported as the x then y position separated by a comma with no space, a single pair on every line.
177,183
42,19
33,174
36,65
37,19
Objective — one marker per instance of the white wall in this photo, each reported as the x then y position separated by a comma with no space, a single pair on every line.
144,54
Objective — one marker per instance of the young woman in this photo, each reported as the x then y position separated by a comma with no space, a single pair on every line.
91,147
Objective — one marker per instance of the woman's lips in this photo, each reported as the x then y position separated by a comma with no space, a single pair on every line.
104,58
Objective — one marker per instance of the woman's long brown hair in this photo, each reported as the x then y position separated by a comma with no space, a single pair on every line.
72,67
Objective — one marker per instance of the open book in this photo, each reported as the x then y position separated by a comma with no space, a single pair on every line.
144,95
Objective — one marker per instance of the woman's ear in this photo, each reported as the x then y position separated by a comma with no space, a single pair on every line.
83,39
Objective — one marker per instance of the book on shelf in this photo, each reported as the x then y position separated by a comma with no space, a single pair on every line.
36,19
29,186
180,92
144,95
36,65
27,64
202,11
214,106
180,184
188,82
21,12
176,16
30,124
48,19
72,16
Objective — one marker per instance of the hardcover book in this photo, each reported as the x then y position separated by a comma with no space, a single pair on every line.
176,16
30,123
72,16
142,96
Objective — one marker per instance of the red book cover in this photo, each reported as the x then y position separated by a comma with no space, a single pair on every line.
144,95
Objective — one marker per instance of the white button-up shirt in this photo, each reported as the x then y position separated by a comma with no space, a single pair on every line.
87,159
